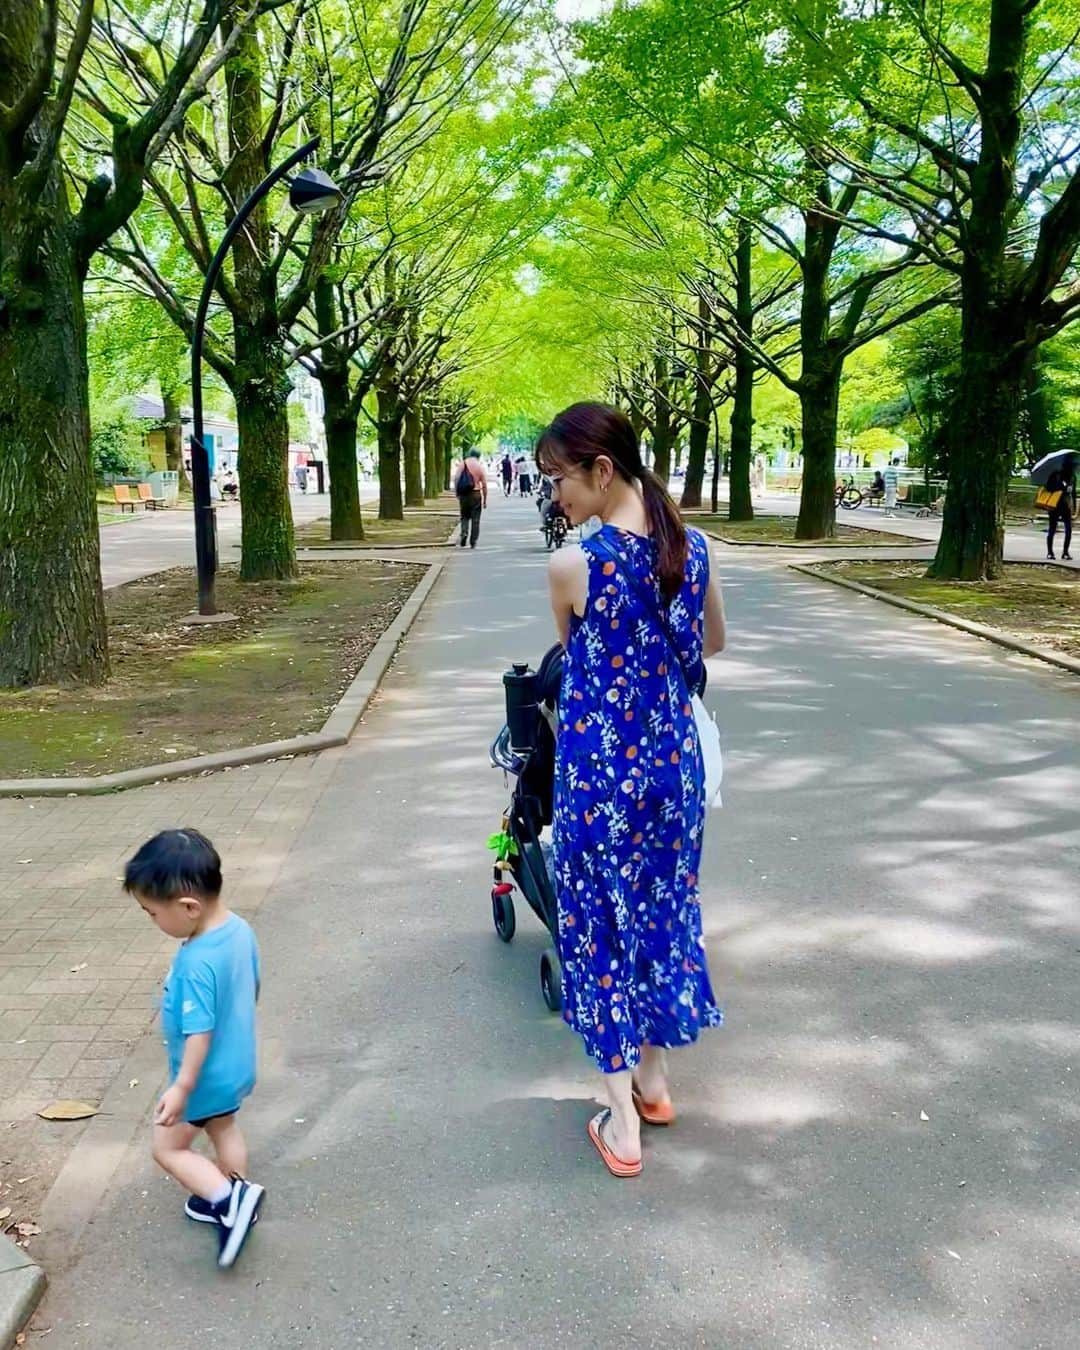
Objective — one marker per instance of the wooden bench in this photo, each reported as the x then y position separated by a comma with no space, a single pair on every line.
123,498
148,499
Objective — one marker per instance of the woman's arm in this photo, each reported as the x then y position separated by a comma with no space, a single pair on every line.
715,626
568,581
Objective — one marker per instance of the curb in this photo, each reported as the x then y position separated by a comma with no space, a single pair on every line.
1069,663
902,541
336,730
22,1284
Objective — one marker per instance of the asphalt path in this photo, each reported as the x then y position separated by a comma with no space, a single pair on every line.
155,540
878,1149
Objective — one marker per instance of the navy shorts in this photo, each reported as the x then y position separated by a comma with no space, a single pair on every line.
202,1124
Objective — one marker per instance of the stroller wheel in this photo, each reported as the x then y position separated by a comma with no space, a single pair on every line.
502,911
551,980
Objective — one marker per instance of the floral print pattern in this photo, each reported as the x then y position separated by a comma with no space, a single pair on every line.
630,809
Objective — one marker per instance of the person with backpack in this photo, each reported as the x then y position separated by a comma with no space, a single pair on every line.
470,484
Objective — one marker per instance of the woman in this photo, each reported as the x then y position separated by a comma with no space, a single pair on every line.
637,611
1062,480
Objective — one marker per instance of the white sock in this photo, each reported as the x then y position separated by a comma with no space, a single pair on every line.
221,1194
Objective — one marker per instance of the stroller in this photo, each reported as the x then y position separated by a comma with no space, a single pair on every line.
525,748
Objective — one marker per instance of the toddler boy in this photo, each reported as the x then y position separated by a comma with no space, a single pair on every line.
208,1016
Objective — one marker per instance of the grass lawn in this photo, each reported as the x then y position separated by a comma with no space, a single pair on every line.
781,530
1036,604
428,524
177,691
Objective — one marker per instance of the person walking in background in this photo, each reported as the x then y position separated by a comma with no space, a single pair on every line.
892,481
470,485
524,476
638,610
507,468
1062,480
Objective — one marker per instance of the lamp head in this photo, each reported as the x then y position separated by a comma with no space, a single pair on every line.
312,192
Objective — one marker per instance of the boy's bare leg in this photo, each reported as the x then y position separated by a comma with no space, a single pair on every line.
229,1145
173,1152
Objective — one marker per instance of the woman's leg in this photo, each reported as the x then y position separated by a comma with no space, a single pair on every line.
1051,530
229,1145
652,1075
622,1133
1067,522
173,1153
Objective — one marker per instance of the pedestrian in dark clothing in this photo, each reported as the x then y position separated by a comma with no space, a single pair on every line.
470,484
1062,480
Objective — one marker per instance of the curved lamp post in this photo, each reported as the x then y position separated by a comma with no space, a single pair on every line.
310,192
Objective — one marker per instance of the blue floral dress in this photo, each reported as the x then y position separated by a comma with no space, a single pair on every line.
629,810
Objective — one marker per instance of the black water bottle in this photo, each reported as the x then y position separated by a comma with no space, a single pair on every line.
521,708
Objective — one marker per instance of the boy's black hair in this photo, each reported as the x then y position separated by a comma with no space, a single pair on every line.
175,863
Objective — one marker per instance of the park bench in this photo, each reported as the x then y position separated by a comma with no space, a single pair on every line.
123,498
148,499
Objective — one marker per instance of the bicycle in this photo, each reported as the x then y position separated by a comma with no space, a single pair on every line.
555,529
847,495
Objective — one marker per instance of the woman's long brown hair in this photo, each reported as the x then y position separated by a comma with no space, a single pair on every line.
584,432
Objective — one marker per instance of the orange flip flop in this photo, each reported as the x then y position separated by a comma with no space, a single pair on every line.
618,1167
654,1113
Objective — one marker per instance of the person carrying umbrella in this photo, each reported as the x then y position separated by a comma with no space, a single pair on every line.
1056,473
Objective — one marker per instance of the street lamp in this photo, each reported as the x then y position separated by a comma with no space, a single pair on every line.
310,192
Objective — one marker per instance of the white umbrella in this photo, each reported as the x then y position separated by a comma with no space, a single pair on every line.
1050,464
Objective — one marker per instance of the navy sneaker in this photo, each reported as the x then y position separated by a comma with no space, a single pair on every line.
236,1217
202,1211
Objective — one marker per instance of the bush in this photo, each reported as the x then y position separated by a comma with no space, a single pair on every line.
117,449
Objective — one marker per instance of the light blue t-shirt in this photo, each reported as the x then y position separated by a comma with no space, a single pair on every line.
212,986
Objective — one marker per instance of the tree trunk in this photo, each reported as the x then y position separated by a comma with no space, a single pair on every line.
261,385
449,427
339,424
980,430
740,502
174,438
52,613
716,458
981,424
702,412
390,418
819,381
267,549
431,456
817,509
410,444
663,437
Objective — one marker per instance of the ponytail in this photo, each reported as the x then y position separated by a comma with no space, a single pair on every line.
669,532
583,432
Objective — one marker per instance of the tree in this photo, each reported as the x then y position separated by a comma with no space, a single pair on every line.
386,87
982,104
53,218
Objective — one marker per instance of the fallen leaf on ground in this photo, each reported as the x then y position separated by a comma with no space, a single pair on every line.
5,1213
82,966
67,1110
134,1083
955,1255
923,1115
27,1229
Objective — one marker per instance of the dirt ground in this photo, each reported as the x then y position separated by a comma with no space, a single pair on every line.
781,530
178,691
1036,604
429,524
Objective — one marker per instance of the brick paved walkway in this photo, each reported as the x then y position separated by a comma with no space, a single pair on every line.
80,964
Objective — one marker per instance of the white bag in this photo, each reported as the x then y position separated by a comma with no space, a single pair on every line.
711,755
